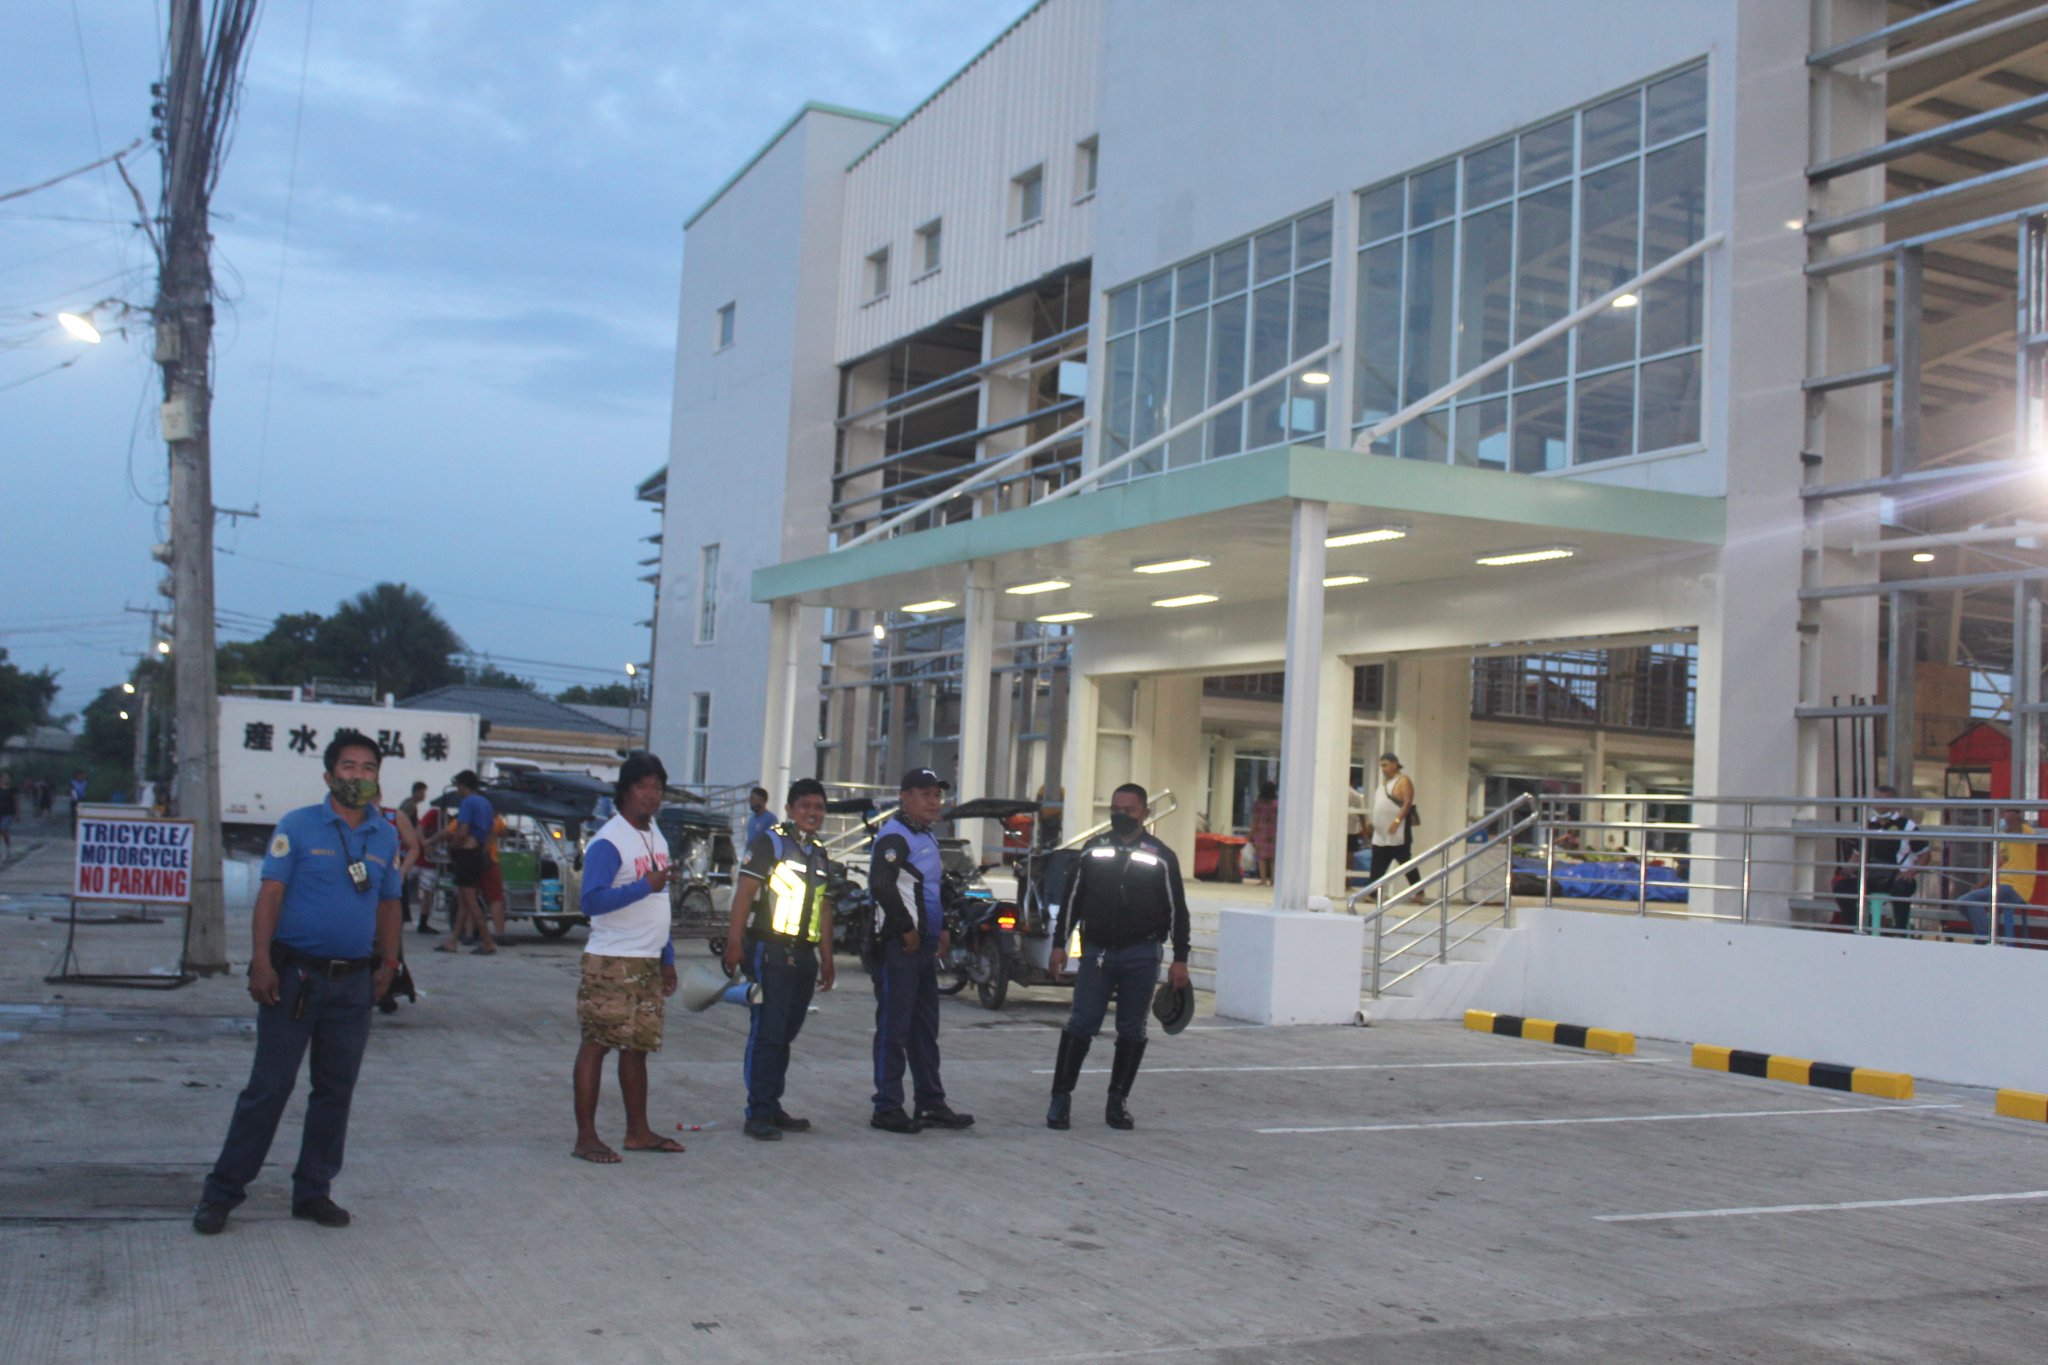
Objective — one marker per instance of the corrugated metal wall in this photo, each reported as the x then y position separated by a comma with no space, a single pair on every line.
1030,99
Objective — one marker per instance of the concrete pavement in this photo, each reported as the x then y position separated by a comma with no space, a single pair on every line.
1432,1194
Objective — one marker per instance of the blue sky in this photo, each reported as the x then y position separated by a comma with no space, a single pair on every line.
448,243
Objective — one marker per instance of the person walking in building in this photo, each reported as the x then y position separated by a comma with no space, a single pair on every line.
466,835
760,819
1125,900
780,916
629,960
324,944
1265,830
1393,821
904,877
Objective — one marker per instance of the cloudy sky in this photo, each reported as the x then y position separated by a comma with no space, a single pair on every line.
448,243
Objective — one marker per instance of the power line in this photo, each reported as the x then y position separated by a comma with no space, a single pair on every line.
60,179
284,247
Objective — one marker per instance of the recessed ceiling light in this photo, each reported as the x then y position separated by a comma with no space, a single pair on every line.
1795,223
1315,377
1170,565
1345,580
1627,301
1924,557
1028,589
1193,599
1536,555
922,608
1367,537
1060,618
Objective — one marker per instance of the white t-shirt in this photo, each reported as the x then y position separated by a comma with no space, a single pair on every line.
640,929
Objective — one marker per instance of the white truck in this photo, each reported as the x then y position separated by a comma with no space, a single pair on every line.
270,751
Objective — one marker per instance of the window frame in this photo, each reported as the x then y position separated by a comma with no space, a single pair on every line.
706,632
877,275
700,738
725,326
931,245
1023,185
1087,167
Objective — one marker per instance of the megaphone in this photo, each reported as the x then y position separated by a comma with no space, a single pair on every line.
703,985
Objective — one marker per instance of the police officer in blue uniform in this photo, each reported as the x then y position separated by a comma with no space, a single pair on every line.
325,939
1126,898
904,877
780,916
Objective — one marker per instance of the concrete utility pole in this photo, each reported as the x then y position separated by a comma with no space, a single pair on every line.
202,73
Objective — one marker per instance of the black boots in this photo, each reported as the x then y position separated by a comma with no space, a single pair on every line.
1065,1071
1122,1072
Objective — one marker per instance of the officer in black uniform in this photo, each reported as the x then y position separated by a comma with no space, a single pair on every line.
780,916
1125,899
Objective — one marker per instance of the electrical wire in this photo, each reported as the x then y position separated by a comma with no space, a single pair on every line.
284,248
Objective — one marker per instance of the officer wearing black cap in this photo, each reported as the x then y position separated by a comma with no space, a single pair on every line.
1125,900
904,877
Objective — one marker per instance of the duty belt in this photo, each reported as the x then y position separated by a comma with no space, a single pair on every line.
330,967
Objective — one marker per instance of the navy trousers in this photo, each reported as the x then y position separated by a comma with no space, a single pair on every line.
787,975
1126,974
335,1027
907,1024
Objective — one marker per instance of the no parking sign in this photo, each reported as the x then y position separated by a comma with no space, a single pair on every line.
133,860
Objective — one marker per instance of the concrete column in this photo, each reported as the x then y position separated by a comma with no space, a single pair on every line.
779,713
1294,848
1176,764
977,658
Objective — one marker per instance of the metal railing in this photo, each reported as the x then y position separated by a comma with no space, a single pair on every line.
1844,866
1445,874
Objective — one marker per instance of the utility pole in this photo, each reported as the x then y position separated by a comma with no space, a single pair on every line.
202,75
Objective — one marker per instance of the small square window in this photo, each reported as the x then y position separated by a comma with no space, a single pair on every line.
1027,197
723,333
1084,167
878,273
929,239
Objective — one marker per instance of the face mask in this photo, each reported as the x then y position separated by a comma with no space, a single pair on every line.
353,792
1124,826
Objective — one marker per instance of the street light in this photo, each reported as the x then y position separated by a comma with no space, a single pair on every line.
124,715
129,688
632,670
163,646
80,327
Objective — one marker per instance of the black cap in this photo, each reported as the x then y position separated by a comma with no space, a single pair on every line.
923,777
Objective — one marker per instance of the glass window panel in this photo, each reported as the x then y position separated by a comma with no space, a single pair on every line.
1307,411
1148,419
1546,153
1233,265
1273,254
1539,430
1227,334
1671,402
1613,129
1311,310
1606,416
1678,105
1123,309
1428,437
1376,371
1123,358
1607,257
1191,284
1432,194
1489,174
1381,212
1543,281
1427,361
1311,238
1482,432
1190,374
1155,298
1269,329
1262,418
1485,292
1674,217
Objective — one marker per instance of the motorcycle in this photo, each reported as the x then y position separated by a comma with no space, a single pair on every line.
982,938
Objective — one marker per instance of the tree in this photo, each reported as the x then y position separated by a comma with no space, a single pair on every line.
25,698
488,674
287,656
605,694
391,637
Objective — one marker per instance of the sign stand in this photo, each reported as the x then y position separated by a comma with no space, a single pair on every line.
151,865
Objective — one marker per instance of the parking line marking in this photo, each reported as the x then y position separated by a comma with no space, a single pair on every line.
1611,1118
1370,1066
1823,1208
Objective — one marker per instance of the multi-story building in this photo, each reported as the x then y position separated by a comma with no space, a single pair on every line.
1593,396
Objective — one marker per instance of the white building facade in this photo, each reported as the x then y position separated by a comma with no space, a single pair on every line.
1505,385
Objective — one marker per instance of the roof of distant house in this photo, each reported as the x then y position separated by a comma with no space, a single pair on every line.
507,706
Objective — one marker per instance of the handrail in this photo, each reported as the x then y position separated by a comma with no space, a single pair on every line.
1490,818
972,371
1065,433
1164,794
